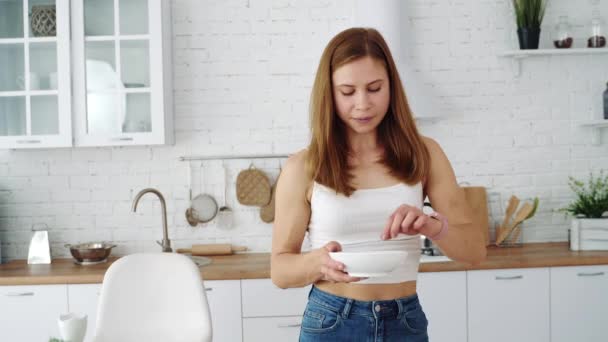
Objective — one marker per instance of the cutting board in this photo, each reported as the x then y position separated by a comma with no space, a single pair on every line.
478,201
212,249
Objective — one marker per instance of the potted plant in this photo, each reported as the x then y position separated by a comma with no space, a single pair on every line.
589,209
529,16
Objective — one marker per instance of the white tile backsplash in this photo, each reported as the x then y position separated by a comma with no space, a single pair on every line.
242,77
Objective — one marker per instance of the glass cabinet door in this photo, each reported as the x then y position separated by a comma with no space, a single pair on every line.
117,67
122,84
34,37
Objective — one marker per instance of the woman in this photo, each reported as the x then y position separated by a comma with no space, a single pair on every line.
360,186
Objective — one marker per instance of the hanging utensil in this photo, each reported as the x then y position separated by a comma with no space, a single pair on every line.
203,207
225,215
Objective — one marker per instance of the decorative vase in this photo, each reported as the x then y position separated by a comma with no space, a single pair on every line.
528,37
43,20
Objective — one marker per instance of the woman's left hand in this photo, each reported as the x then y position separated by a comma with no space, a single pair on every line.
410,221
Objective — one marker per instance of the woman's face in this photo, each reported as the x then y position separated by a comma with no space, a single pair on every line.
361,94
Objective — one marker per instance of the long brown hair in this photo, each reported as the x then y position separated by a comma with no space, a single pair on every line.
405,154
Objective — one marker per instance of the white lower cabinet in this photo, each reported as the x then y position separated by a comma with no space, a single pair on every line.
259,329
30,313
224,297
443,296
508,305
271,313
83,299
525,305
579,303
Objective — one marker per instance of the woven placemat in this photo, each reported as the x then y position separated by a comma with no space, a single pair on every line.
253,187
267,211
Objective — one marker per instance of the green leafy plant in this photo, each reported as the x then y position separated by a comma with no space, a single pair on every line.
591,199
529,13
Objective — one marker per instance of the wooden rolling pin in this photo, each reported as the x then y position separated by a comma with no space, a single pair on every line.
212,249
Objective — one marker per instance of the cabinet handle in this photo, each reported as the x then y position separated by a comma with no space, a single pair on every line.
208,289
122,139
289,325
28,141
583,274
21,294
510,278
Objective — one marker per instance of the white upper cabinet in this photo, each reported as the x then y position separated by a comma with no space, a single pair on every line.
35,101
85,73
122,80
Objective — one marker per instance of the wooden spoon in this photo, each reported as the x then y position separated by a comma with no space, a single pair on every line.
521,215
511,207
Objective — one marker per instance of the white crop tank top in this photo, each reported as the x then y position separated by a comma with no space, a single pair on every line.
357,222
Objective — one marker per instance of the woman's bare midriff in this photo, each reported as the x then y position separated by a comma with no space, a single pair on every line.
368,292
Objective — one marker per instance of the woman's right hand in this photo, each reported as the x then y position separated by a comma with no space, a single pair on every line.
333,270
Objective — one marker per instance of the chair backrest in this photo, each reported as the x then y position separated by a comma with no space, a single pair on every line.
153,297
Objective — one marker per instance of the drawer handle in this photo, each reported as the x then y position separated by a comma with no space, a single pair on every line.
122,139
22,294
509,278
289,325
583,274
208,289
28,141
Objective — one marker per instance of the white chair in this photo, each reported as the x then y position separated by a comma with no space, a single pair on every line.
153,297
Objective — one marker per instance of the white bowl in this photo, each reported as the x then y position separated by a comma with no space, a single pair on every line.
370,264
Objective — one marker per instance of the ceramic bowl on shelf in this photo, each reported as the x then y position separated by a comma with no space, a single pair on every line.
370,264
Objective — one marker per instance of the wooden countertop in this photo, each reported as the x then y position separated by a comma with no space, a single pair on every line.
257,265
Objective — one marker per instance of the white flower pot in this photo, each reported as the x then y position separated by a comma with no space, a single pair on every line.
589,234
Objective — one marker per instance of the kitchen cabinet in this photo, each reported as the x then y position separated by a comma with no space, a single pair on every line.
224,297
261,298
271,313
443,296
35,99
508,305
83,299
30,313
260,329
531,304
121,78
579,303
100,78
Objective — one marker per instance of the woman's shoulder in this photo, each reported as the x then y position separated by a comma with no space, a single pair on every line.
431,144
437,158
294,169
297,161
294,175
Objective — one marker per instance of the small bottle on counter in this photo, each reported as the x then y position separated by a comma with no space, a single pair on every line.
606,102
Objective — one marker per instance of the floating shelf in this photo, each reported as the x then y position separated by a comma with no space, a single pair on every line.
518,55
596,126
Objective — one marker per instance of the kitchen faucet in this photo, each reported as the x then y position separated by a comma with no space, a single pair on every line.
166,244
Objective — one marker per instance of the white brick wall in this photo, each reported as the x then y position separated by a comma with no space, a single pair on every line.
242,75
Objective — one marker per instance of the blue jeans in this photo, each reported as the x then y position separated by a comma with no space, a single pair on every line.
332,318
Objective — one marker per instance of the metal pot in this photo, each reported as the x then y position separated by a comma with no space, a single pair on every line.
90,253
